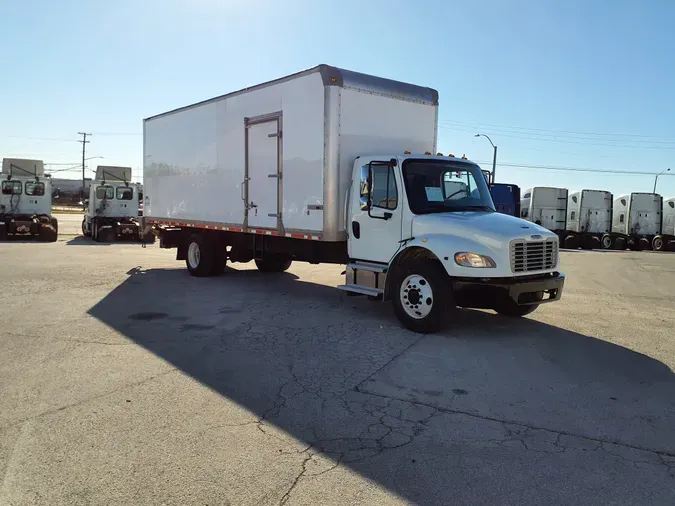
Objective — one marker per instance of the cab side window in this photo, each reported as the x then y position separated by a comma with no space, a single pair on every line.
11,187
124,193
35,189
383,191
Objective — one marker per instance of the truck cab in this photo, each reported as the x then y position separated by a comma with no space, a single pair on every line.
26,201
424,232
112,208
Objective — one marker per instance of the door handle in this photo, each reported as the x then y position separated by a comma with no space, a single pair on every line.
244,182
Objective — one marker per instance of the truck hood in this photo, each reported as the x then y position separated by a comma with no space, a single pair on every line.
492,229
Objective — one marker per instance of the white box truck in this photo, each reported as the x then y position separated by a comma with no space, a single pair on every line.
26,201
319,167
665,241
589,220
636,220
546,207
112,208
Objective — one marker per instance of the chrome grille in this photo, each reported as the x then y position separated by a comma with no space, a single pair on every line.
529,256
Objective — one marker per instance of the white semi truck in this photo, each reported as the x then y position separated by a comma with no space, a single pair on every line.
112,208
665,241
26,201
636,220
589,220
319,167
546,207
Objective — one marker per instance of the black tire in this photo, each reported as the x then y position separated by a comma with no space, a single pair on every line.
437,306
507,307
634,245
620,243
571,242
658,243
47,234
149,238
200,256
84,228
55,225
606,242
645,244
277,265
3,232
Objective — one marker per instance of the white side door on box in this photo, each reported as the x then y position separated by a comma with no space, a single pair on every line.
262,140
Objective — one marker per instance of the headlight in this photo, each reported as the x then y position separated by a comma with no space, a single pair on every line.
474,260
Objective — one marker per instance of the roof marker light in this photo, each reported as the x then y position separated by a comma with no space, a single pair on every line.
406,152
427,152
439,154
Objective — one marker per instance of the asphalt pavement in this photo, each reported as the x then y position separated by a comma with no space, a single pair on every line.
126,381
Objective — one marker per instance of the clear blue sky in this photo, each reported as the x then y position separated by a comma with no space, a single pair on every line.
575,84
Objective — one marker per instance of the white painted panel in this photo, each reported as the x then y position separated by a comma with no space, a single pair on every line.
669,216
619,214
549,207
595,215
195,157
263,162
27,204
374,125
645,214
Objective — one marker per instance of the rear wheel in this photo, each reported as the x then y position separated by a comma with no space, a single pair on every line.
200,256
606,242
277,265
508,307
658,244
422,296
645,244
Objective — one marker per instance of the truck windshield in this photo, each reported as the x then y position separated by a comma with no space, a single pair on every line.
437,186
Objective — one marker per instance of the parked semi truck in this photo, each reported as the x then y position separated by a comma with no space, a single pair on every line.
589,220
112,209
636,220
666,240
545,206
505,196
26,201
319,167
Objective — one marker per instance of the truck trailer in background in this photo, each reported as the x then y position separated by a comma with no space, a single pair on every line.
26,201
589,220
333,166
545,206
636,220
112,209
666,240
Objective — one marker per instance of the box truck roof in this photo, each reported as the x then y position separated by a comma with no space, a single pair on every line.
333,76
23,168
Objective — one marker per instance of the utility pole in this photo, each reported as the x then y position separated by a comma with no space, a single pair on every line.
84,142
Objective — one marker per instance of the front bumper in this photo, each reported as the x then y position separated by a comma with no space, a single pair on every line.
486,293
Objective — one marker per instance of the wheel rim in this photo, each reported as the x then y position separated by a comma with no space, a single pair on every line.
194,255
417,297
658,243
606,242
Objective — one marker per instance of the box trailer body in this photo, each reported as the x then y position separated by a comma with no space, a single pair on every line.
112,208
278,157
589,219
637,218
26,200
545,206
333,166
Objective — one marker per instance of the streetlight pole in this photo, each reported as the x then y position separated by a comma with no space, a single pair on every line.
494,155
656,179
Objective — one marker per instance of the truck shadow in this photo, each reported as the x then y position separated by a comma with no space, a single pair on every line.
318,365
81,240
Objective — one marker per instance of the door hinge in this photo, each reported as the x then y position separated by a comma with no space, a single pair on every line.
274,215
274,175
277,134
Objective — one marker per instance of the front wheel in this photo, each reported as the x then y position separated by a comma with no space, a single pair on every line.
422,296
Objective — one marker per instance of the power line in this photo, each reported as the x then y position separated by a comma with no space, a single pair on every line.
118,133
571,169
564,141
40,138
492,125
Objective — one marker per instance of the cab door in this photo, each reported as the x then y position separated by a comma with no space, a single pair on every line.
376,211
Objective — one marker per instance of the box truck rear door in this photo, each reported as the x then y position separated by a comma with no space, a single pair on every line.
263,174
